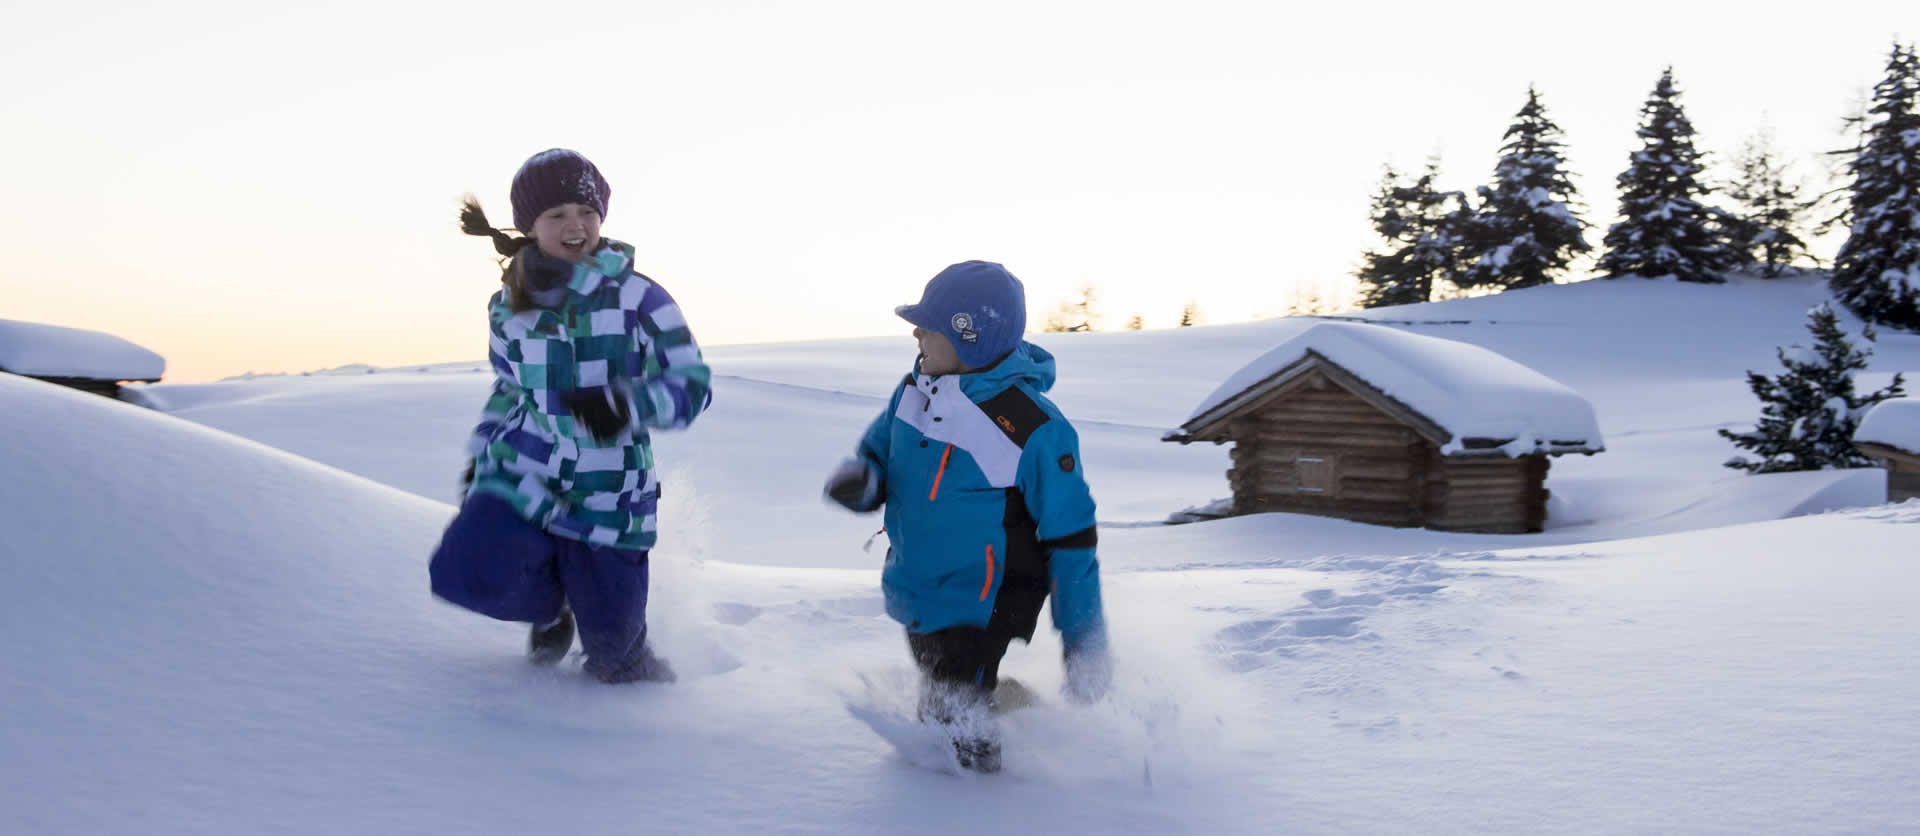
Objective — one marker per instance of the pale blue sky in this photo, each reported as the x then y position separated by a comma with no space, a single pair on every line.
241,187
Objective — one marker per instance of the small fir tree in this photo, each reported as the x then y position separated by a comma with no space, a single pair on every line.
1664,230
1137,323
1190,314
1809,412
1421,227
1081,313
1770,210
1307,301
1527,228
1877,272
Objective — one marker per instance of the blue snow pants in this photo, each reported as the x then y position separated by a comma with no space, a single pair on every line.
494,563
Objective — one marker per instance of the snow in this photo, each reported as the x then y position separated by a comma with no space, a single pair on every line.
210,634
1468,391
1497,259
31,348
1892,423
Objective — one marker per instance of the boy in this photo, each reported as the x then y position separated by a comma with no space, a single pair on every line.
987,507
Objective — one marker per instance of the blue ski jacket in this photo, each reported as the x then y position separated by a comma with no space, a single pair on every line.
987,506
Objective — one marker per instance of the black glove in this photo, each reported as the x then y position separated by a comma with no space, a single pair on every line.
855,484
604,412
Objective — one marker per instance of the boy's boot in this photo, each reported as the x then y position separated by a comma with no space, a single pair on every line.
548,643
962,711
979,754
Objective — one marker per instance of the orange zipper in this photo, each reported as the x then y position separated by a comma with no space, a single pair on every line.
988,586
938,475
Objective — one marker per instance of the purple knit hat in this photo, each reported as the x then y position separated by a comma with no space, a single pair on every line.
553,177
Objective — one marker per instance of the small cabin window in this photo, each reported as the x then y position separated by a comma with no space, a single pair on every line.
1313,473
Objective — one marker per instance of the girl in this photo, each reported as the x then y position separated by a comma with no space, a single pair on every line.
588,355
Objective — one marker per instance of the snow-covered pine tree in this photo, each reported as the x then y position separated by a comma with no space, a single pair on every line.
1420,225
1190,314
1770,210
1809,412
1877,273
1527,227
1664,230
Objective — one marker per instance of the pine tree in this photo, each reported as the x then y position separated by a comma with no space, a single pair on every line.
1307,301
1082,313
1526,228
1808,413
1877,273
1664,230
1190,315
1770,210
1137,323
1421,227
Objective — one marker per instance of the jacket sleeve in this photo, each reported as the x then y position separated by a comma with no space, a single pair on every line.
1055,486
876,444
876,449
506,390
676,384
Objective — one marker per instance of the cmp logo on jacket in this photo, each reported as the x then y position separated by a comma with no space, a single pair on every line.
993,431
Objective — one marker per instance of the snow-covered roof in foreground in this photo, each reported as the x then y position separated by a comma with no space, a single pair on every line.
29,348
1469,392
1894,423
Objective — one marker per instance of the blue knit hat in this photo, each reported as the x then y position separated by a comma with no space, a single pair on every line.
980,306
553,177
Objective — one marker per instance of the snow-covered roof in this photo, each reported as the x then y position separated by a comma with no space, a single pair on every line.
33,349
1894,423
1483,402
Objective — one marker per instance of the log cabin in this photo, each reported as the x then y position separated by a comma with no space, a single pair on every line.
1890,435
1377,425
90,361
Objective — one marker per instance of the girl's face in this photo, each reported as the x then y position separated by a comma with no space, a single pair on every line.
937,356
567,232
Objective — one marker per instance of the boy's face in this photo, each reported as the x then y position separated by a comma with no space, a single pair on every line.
937,356
567,232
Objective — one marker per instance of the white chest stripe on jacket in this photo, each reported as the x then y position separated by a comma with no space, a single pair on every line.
940,411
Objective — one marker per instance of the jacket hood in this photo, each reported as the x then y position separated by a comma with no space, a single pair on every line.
1027,363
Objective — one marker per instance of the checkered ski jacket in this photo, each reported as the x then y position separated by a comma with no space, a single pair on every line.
616,329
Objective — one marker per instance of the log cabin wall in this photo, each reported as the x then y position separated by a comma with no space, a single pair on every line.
1903,470
1902,484
108,388
1495,495
1322,450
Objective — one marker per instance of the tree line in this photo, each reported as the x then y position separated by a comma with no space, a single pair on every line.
1525,227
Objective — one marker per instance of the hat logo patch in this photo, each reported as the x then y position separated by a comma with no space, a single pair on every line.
963,325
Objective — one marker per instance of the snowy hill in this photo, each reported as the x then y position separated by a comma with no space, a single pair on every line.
213,635
1662,362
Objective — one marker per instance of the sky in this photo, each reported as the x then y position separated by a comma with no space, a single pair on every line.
248,188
